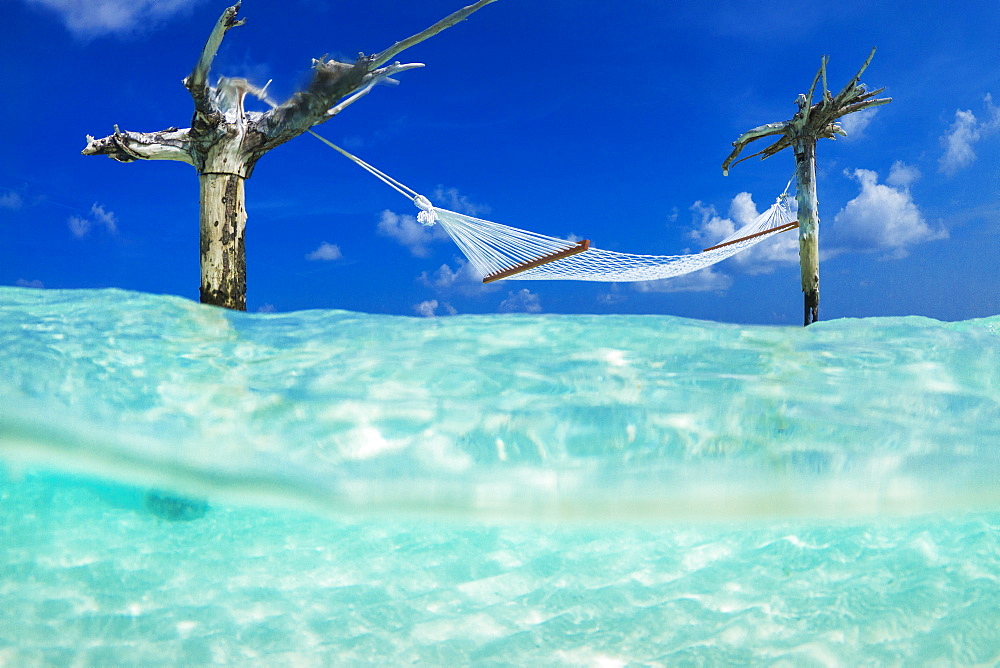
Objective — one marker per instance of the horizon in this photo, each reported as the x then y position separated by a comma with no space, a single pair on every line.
617,140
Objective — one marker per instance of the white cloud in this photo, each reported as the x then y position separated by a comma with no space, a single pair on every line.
105,218
450,198
11,200
325,252
902,175
405,229
855,124
743,210
24,283
958,142
93,18
960,139
882,217
522,301
446,278
267,308
703,280
992,112
80,226
710,228
614,295
464,280
428,309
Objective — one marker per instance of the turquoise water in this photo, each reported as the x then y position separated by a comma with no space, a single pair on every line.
497,490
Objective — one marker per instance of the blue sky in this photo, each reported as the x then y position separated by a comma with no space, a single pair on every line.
603,120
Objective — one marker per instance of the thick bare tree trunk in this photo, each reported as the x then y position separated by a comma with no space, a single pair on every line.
223,250
808,214
225,141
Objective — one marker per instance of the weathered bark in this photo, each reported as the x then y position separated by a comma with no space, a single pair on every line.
169,144
225,141
808,215
810,123
223,249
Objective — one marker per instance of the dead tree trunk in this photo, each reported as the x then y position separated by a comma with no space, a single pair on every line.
225,141
801,132
223,251
808,215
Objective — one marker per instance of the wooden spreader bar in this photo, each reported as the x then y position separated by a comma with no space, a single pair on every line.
781,228
576,249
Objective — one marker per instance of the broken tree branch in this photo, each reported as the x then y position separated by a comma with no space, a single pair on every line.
750,136
812,120
826,89
443,24
779,145
169,144
857,77
376,77
812,89
332,81
197,81
861,106
336,85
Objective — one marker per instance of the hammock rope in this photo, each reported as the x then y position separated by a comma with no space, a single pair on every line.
502,252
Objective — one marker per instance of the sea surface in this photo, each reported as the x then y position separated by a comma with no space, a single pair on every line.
184,485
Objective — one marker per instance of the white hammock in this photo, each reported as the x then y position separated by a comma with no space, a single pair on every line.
503,252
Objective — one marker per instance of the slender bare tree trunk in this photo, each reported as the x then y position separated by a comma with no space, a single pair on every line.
223,251
811,122
805,196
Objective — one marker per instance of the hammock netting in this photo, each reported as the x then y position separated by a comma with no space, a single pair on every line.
509,253
503,252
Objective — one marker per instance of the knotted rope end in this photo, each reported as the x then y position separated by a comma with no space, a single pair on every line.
427,215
